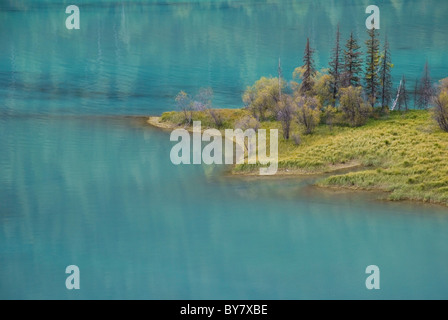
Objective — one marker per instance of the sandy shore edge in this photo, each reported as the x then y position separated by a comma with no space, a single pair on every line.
156,122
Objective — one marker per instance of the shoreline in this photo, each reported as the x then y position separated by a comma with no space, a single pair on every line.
154,121
342,168
395,174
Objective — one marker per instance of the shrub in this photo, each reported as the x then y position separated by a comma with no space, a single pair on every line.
323,88
262,98
329,116
356,111
308,113
297,139
440,110
247,122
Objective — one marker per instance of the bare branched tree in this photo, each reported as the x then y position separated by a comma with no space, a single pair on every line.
308,113
286,111
416,85
403,96
204,102
246,123
185,105
440,110
426,90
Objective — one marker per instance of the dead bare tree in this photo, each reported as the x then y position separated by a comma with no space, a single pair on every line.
286,111
185,105
204,101
441,111
426,90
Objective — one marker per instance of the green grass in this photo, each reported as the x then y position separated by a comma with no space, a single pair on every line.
403,154
228,116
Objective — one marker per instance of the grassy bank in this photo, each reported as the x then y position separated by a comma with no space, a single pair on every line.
403,154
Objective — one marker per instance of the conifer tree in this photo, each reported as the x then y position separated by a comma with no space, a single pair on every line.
426,90
385,76
309,70
372,64
416,94
402,95
336,67
352,63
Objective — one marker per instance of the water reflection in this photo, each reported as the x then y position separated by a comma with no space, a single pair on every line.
127,51
99,191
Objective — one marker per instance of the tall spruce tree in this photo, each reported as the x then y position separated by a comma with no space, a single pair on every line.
309,70
385,76
352,63
426,90
336,67
372,64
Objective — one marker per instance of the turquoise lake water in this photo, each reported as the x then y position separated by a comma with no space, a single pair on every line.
83,182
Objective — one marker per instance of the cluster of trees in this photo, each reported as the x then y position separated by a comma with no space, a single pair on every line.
353,87
202,101
424,92
334,94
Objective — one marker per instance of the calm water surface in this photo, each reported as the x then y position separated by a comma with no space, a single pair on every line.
81,184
